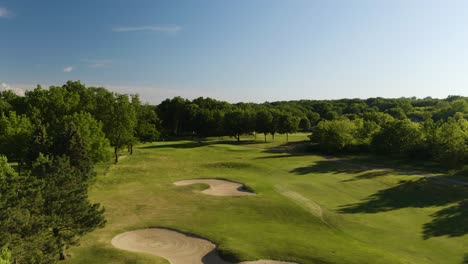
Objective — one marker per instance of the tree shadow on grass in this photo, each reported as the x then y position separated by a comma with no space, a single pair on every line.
184,145
431,191
196,144
289,147
465,259
416,194
450,221
339,167
461,175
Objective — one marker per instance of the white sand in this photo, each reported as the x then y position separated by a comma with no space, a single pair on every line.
176,247
217,187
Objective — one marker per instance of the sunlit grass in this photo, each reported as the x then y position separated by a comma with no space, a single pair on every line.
307,209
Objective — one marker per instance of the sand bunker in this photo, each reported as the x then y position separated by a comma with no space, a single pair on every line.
176,247
218,187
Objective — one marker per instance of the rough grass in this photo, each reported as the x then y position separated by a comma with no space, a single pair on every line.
307,209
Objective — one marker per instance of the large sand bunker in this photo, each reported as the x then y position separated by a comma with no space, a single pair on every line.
176,247
218,187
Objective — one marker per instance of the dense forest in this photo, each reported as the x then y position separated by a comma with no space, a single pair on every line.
51,138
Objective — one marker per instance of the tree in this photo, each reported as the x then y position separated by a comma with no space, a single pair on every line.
335,135
313,117
397,113
400,137
23,223
147,128
8,201
66,206
276,114
174,115
304,124
451,143
15,136
263,122
119,122
238,122
82,140
366,131
287,124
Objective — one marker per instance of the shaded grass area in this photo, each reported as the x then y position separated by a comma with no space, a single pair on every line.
307,208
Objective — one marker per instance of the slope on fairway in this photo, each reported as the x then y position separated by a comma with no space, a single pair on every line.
322,212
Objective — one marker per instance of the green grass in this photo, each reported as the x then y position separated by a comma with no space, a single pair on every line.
307,209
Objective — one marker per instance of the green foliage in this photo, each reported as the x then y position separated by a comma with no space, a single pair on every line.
287,124
304,124
313,117
5,256
119,119
366,130
68,212
397,113
451,141
15,136
263,122
146,129
401,138
45,209
238,122
23,223
335,135
83,138
174,115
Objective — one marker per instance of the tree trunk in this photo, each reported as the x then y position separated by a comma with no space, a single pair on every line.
265,136
273,136
287,138
176,127
131,149
116,154
56,233
238,138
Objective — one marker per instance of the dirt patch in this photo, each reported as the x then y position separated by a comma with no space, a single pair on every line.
218,187
176,247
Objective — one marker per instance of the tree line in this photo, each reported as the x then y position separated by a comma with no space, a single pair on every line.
51,138
427,129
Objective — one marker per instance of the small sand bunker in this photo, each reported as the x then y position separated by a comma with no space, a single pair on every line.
176,247
218,187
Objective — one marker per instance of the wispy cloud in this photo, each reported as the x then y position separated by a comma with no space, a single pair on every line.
97,63
7,87
162,29
5,12
68,69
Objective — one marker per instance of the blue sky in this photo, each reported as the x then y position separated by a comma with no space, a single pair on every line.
243,50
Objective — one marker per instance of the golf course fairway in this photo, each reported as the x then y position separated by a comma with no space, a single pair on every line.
306,208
